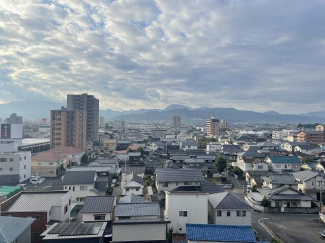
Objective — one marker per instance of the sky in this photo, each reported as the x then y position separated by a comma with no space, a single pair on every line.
258,55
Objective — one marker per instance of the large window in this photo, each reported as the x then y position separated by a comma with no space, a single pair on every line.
219,213
165,184
99,217
3,159
11,169
183,213
241,213
228,214
11,159
83,188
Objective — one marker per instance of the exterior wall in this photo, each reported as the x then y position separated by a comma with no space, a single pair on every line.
172,185
260,167
281,167
232,220
212,127
25,237
76,193
20,165
196,205
140,232
90,217
45,169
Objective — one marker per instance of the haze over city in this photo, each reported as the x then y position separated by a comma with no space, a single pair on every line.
254,55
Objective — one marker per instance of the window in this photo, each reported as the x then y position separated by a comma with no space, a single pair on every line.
99,217
50,212
183,213
219,213
0,169
278,166
165,184
127,189
83,188
11,169
176,183
187,183
137,189
51,163
241,213
24,166
11,159
73,188
39,163
66,209
3,159
69,188
228,214
37,217
24,157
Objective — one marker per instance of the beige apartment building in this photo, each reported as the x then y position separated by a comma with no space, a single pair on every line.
68,128
177,121
90,105
314,137
213,127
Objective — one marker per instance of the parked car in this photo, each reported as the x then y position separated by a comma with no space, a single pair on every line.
36,180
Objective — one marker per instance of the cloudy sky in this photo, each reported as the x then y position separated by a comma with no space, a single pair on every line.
248,54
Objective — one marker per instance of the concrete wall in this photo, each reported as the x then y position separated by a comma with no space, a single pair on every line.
77,193
231,220
90,217
20,164
196,205
25,237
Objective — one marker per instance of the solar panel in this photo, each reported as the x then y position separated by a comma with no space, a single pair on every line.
58,228
76,228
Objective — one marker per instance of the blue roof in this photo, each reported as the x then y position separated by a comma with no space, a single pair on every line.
285,159
12,227
220,233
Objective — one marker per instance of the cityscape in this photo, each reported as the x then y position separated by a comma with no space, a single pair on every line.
162,121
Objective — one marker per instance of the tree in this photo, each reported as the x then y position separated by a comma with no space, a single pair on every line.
106,126
265,202
221,163
238,172
84,159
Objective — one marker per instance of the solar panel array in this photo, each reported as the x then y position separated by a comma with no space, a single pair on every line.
73,229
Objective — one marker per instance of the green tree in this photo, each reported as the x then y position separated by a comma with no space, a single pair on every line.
106,126
238,172
84,159
221,163
265,202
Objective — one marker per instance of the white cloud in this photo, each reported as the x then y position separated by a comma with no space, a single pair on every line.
255,55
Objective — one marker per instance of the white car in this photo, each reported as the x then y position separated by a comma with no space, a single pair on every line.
36,180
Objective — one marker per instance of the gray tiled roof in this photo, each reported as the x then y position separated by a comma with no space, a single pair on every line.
136,169
78,177
305,175
178,175
98,204
137,209
282,179
226,200
131,199
11,228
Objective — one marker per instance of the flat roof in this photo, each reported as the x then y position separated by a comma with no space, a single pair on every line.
32,141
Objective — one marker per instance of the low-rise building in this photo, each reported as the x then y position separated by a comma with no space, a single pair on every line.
132,184
15,230
284,163
98,208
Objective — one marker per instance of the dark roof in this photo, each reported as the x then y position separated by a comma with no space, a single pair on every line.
291,197
219,233
131,199
178,175
138,169
79,177
307,146
282,179
12,227
98,204
226,200
137,209
210,187
285,159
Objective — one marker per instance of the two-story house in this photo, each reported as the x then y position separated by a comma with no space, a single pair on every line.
284,163
98,208
132,184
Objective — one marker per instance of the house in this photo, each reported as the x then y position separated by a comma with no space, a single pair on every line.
132,184
197,233
98,208
268,146
81,184
15,167
75,232
306,149
276,180
139,222
169,179
284,163
230,151
46,207
251,164
14,229
188,144
290,146
311,183
122,144
137,169
53,162
227,209
131,199
208,158
320,127
156,145
213,147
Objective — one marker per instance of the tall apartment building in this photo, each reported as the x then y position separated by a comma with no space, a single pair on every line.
102,122
212,127
177,121
314,137
14,119
90,105
68,128
223,123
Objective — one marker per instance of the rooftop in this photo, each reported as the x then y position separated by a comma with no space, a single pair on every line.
178,175
72,177
131,199
137,209
285,159
98,204
226,200
12,227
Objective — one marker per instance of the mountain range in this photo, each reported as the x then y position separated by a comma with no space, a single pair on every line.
41,109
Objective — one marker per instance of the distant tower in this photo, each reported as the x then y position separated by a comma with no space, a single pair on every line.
176,121
212,127
223,123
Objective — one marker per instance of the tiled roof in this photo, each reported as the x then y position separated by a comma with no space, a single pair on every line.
285,159
12,227
305,175
284,179
78,177
56,154
219,233
98,204
226,200
136,169
131,199
137,209
66,150
36,201
178,175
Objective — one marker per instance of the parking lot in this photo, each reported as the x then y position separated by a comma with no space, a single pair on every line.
290,228
46,185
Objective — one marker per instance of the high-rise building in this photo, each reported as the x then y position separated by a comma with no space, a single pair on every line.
177,121
102,122
223,123
14,119
212,127
90,105
68,128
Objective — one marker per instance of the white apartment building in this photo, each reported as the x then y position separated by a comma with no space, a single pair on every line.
15,167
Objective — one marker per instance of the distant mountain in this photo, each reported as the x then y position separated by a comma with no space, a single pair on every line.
230,114
315,113
272,113
29,109
177,106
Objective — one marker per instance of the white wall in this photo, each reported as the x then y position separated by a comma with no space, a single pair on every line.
172,185
90,217
77,193
196,205
280,167
232,220
139,232
21,165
